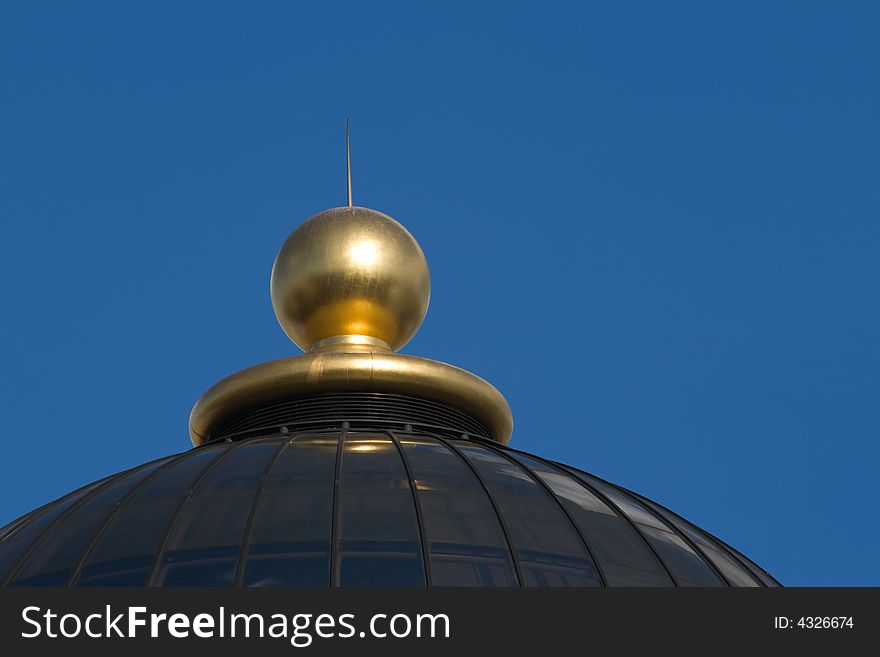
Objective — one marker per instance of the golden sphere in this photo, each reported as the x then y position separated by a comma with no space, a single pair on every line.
352,274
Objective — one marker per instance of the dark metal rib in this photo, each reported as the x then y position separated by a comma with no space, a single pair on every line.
611,505
74,575
249,525
561,506
674,531
163,544
426,560
733,553
334,531
504,530
74,507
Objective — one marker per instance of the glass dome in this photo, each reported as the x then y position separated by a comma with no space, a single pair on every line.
348,508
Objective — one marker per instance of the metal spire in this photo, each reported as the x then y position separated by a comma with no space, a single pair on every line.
348,158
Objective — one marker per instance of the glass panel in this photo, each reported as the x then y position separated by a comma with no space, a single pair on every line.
290,541
686,566
378,530
465,541
52,561
549,551
735,573
206,538
17,542
623,554
125,550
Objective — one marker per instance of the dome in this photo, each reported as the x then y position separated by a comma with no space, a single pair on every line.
353,465
294,496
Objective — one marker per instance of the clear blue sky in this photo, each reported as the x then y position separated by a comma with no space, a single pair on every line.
654,226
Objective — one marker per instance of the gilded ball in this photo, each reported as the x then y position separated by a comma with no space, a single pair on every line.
350,271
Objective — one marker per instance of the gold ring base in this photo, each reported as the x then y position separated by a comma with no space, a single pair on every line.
363,371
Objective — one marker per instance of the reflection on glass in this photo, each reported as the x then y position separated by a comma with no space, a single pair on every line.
64,545
465,541
549,551
379,543
290,539
686,566
735,573
622,554
754,568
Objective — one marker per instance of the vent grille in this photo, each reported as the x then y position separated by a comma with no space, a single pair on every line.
361,410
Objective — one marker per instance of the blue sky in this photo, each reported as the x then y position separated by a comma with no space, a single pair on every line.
654,227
